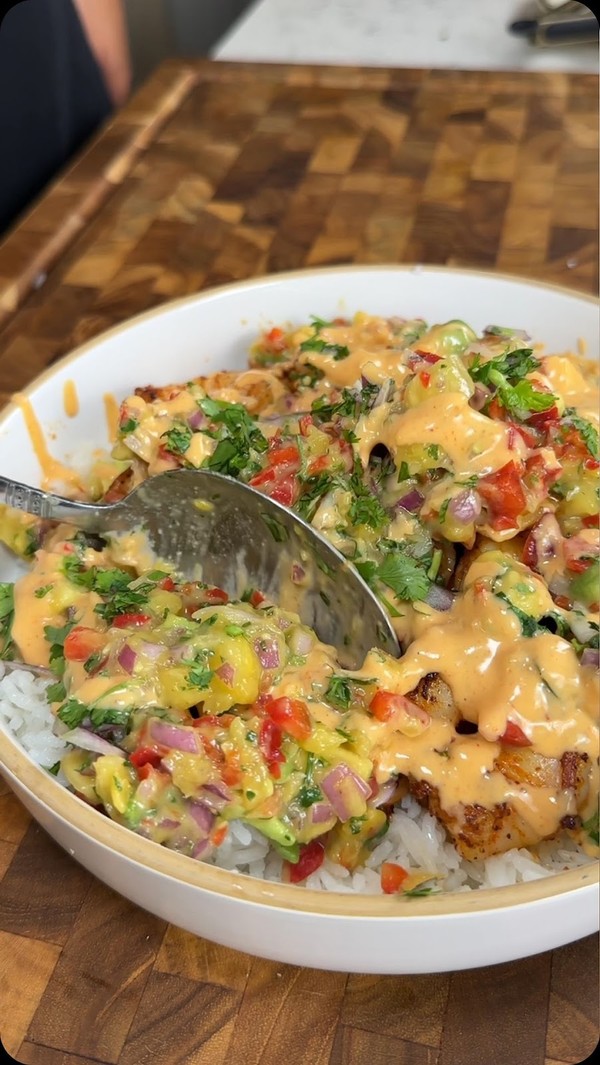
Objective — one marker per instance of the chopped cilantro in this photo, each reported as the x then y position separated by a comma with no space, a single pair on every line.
235,630
513,366
128,426
523,399
93,661
6,619
404,576
310,792
316,343
199,675
339,692
592,827
41,592
239,440
420,892
56,693
72,713
586,430
177,439
277,530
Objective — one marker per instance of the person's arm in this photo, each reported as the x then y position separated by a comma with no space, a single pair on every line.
105,28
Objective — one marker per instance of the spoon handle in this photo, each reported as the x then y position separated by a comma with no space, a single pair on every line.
49,506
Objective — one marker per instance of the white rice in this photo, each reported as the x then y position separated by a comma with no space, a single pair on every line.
414,839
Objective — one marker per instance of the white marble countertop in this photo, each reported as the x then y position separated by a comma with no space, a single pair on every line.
460,34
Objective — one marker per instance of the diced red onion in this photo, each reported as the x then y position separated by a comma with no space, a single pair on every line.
197,420
582,629
145,791
202,816
466,506
214,797
547,537
591,657
201,848
174,736
480,397
283,623
331,788
439,598
301,641
385,792
579,546
88,741
226,672
559,584
267,652
298,573
169,822
127,658
321,812
384,394
411,502
152,650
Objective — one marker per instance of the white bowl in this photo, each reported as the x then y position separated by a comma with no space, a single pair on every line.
284,922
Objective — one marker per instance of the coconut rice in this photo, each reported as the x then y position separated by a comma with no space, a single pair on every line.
415,839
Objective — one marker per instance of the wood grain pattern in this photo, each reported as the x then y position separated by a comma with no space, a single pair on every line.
221,171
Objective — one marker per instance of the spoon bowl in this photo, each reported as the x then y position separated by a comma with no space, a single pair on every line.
213,528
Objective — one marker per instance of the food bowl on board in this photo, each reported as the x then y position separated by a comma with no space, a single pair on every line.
289,923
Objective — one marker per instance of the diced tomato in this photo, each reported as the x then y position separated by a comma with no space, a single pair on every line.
216,595
591,464
231,772
305,423
504,495
257,598
167,584
543,418
266,476
513,736
428,356
284,456
392,877
311,858
269,742
578,565
131,621
145,756
384,704
529,436
285,490
219,835
82,642
319,464
425,378
170,460
539,474
591,521
495,410
275,339
563,602
291,715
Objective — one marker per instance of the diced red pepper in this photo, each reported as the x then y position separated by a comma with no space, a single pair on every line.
81,642
275,339
270,738
145,756
504,495
311,859
393,877
428,356
529,435
513,736
285,490
131,621
219,835
291,715
425,378
543,418
257,598
167,584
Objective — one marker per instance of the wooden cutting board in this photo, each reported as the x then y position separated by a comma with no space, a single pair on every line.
215,172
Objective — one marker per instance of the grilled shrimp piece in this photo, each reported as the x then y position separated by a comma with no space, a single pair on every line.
256,389
434,695
479,832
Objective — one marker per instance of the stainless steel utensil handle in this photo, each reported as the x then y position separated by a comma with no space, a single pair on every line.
56,508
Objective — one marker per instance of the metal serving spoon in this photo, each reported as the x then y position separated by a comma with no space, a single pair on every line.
219,530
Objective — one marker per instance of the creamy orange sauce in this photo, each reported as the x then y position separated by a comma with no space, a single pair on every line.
70,399
111,412
54,472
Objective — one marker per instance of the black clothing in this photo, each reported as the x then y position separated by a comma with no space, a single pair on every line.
52,98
